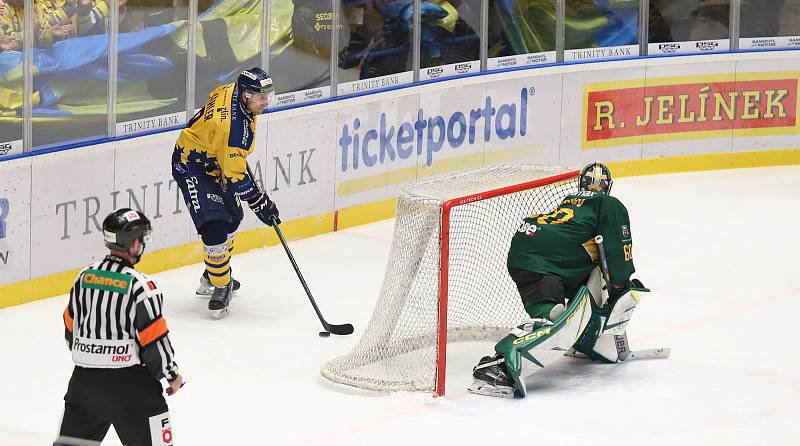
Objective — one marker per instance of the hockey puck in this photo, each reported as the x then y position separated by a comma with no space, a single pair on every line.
324,334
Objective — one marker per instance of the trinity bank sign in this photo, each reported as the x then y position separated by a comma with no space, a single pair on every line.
620,113
83,215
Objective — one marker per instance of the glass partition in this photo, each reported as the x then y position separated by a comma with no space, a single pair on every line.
300,50
521,33
70,83
768,24
378,50
601,29
449,38
71,44
151,66
691,26
228,41
11,93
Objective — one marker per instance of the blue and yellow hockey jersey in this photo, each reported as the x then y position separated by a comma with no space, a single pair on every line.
218,139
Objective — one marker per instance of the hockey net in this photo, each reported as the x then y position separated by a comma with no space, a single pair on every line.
453,230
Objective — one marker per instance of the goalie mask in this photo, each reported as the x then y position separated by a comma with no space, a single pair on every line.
596,177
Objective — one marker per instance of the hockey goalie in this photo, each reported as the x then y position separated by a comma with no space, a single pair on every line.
572,268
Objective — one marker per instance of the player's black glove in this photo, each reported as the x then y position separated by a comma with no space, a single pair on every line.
265,209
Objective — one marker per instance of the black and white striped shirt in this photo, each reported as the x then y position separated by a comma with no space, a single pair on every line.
114,319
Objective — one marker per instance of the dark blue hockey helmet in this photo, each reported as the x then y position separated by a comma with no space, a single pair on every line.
596,177
255,81
123,226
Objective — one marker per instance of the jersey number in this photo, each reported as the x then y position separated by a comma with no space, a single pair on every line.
560,215
628,249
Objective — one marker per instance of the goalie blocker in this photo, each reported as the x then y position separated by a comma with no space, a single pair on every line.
589,327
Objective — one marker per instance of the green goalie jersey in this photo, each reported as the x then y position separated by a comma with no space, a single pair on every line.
561,243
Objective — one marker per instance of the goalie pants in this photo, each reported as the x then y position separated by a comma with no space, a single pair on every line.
535,288
128,398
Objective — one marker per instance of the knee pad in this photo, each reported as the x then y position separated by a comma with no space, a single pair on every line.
214,233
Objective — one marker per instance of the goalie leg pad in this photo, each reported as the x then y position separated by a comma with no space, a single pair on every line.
538,343
605,339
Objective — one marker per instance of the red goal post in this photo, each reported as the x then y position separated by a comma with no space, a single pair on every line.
446,277
444,238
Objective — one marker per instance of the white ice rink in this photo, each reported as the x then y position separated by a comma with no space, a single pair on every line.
719,250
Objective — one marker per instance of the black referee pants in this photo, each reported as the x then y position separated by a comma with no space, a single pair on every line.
128,398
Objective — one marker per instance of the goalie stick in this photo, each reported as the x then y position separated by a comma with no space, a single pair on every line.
623,349
337,329
648,353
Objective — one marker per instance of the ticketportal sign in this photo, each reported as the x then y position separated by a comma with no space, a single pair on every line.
685,108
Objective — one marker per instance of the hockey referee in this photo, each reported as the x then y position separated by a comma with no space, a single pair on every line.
120,345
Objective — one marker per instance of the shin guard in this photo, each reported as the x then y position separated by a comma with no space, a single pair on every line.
217,259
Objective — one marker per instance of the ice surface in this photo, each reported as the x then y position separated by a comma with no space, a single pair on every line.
719,250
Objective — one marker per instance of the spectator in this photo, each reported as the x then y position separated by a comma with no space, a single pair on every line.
57,19
381,35
762,18
11,20
92,17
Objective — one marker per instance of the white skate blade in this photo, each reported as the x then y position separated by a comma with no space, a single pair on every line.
480,387
219,314
574,353
204,290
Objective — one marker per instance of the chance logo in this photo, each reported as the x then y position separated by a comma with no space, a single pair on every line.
106,281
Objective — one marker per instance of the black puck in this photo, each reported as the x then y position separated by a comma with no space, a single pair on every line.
324,334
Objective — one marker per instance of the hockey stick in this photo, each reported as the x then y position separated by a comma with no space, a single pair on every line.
651,353
343,329
603,265
647,353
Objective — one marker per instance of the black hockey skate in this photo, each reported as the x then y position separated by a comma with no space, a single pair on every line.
206,288
220,299
491,378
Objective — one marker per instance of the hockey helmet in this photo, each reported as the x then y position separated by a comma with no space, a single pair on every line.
255,81
596,177
123,226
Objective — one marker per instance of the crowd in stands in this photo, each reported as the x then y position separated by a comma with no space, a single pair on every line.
56,20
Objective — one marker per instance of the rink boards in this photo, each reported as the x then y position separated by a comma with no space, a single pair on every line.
340,163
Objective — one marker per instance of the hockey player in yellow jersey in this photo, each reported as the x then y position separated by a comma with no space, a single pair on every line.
209,164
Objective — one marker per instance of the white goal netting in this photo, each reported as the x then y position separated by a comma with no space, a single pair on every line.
398,350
